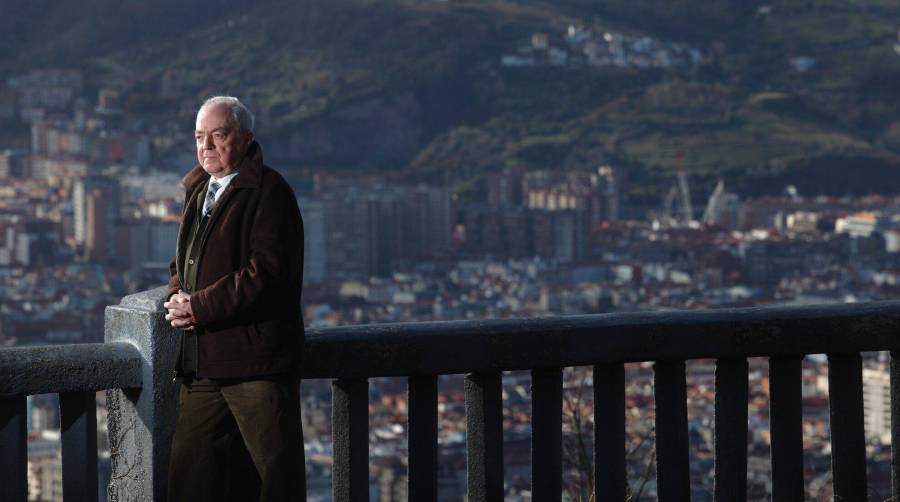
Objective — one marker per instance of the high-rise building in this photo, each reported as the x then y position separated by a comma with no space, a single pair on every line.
97,237
31,243
14,164
392,483
109,190
439,211
517,232
315,253
355,233
347,230
594,194
560,235
45,468
29,409
148,243
877,403
505,188
604,198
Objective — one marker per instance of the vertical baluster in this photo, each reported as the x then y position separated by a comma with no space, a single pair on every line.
13,449
546,435
672,454
609,433
786,426
848,437
78,425
484,437
422,438
350,434
895,424
731,429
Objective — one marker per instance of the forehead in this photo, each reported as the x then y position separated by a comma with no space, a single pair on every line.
213,117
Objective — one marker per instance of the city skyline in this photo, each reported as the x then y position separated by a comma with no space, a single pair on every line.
456,160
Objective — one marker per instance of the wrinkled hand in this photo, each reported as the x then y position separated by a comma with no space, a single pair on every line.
179,312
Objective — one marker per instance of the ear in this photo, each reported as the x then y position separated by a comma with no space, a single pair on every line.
248,138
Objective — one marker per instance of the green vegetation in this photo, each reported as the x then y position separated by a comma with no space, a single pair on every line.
417,85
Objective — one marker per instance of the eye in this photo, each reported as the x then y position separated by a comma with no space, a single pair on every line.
219,135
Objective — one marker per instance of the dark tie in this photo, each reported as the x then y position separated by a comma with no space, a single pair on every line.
210,197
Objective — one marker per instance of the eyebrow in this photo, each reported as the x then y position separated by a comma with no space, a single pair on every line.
223,128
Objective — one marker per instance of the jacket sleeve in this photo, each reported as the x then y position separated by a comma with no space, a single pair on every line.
275,235
174,283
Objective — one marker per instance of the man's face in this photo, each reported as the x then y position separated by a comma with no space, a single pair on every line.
220,145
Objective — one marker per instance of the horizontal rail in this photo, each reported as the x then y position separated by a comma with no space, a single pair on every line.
69,368
488,346
482,349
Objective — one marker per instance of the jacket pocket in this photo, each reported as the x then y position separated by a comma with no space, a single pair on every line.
265,336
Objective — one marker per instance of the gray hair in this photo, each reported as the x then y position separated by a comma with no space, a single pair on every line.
240,114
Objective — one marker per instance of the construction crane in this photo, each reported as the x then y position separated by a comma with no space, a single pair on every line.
687,212
714,205
669,205
677,207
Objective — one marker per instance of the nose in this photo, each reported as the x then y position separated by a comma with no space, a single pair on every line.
208,142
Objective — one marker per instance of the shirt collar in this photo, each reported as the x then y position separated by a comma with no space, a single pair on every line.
223,182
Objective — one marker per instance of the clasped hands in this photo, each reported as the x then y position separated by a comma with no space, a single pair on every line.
179,312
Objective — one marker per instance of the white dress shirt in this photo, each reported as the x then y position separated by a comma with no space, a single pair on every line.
223,182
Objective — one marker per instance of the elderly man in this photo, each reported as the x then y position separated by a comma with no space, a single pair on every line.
235,292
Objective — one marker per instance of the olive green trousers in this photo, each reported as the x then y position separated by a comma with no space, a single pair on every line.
239,441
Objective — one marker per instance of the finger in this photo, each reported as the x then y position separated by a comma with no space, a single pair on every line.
172,313
179,307
180,323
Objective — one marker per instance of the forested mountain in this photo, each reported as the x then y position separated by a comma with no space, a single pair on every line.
760,94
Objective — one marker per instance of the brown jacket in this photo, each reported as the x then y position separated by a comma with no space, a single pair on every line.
249,280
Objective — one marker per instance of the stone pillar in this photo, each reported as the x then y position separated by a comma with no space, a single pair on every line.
141,421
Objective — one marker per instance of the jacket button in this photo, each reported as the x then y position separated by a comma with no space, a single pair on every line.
191,261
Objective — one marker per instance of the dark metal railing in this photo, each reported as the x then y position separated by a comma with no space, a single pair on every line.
76,372
483,349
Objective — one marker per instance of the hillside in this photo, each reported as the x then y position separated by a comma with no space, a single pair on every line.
794,91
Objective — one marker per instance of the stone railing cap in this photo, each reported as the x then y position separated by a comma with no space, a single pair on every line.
151,300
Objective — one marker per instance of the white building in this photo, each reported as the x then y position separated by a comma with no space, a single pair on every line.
877,404
45,468
857,225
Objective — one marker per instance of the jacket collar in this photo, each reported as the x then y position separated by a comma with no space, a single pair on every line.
249,171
